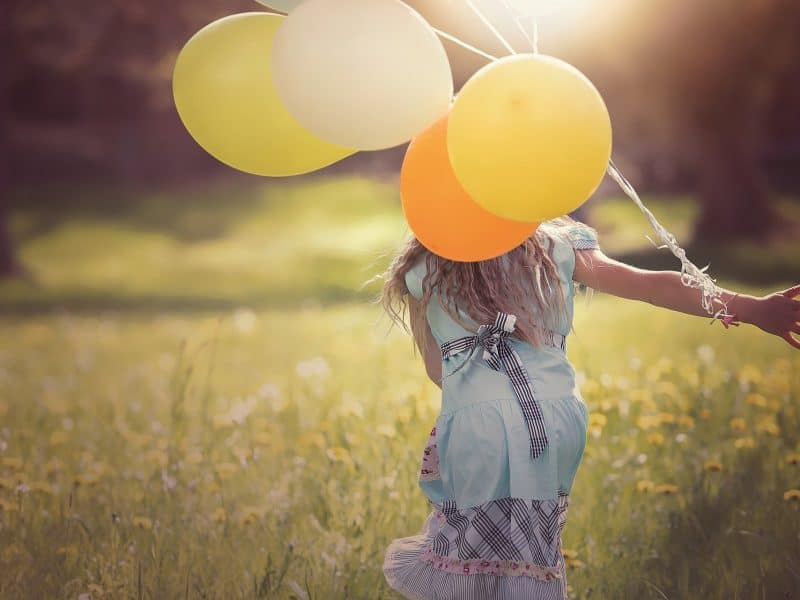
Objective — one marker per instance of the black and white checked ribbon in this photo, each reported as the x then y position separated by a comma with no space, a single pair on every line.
500,355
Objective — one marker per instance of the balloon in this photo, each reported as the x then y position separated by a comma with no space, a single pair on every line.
281,5
441,214
529,137
225,97
538,8
366,74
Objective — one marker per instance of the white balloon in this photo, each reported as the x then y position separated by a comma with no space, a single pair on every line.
281,5
365,74
537,8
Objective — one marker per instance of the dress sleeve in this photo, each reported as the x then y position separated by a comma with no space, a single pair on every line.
414,284
582,237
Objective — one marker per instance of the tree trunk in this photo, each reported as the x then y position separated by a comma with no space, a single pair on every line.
735,198
9,267
8,261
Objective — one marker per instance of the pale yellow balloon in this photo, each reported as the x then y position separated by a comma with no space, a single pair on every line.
529,137
226,98
366,74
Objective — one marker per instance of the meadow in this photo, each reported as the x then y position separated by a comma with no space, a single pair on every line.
200,399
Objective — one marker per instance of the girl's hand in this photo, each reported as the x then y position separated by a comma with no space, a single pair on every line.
779,314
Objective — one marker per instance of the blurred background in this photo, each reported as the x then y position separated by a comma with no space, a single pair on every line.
703,99
170,323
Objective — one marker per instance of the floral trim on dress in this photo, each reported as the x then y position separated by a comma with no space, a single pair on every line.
491,567
429,469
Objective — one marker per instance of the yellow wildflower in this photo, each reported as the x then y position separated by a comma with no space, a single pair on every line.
755,399
792,495
595,431
644,485
738,424
575,563
143,523
686,421
744,442
656,438
219,515
666,417
251,514
639,395
222,421
567,553
648,422
712,465
262,438
666,488
607,404
339,454
705,414
67,550
87,479
768,426
7,507
749,374
403,415
793,459
598,418
386,430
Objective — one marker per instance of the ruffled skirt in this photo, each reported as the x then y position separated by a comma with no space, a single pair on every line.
507,549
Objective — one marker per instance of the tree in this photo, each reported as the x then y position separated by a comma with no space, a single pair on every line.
8,261
721,67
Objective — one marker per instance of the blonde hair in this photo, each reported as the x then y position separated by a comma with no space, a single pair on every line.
483,288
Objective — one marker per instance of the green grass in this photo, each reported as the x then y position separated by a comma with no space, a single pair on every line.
199,403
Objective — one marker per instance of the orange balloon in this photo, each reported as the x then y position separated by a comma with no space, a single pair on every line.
439,211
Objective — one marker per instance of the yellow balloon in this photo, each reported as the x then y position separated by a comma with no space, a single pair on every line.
225,96
529,137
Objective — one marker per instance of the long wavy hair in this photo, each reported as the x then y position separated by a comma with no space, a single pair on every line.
523,282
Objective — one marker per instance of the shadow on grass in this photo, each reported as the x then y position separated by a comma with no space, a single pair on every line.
152,305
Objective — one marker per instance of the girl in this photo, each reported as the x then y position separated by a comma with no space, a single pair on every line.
500,461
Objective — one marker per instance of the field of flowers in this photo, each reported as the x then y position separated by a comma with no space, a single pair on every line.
272,452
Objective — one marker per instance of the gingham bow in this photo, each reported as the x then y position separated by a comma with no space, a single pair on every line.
500,355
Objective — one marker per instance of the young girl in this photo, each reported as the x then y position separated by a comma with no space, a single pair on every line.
500,461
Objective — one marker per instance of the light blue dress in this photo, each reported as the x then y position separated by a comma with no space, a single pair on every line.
495,528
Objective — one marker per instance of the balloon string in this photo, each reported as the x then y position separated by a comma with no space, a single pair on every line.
490,26
691,276
531,33
464,44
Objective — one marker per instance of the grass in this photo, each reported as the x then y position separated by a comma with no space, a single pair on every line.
196,402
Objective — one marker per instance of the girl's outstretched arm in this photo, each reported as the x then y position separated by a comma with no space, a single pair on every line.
431,353
777,313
